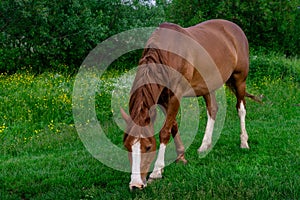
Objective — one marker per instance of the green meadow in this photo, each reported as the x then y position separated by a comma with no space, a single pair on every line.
42,156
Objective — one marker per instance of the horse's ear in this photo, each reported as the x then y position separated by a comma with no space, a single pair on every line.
125,116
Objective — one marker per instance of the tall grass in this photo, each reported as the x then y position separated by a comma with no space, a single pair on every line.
274,66
42,157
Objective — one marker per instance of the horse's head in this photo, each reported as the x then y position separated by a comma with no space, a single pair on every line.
140,142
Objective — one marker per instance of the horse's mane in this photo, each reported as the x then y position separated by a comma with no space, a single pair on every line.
144,94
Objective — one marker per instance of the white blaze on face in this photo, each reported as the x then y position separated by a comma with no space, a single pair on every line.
136,180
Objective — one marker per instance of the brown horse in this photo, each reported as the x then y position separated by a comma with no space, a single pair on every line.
182,62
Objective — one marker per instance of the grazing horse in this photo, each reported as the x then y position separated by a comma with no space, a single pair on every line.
182,62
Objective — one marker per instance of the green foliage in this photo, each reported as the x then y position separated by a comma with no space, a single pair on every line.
47,33
274,66
271,24
51,34
31,105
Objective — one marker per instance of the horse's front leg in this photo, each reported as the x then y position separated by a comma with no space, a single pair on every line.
178,144
176,136
164,137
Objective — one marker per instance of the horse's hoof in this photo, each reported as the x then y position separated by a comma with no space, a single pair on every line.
181,159
184,161
204,148
245,146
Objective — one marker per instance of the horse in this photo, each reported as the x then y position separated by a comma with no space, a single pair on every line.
182,62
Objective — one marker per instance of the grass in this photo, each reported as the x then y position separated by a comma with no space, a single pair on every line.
42,157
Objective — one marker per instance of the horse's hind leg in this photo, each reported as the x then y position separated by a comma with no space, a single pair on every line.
242,114
240,90
212,109
241,108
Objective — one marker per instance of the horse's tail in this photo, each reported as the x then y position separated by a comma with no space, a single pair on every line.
253,97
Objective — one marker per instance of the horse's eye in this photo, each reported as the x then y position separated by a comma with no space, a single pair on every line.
148,148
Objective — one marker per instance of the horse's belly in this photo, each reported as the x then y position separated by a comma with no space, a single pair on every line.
197,91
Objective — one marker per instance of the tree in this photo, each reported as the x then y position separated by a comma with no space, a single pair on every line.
270,24
55,34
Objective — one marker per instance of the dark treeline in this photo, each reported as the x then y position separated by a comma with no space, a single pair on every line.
42,34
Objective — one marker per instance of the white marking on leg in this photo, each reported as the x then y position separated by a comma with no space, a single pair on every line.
160,163
136,180
244,135
207,139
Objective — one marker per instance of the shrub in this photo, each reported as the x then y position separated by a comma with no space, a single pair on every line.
271,24
47,33
51,34
274,66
